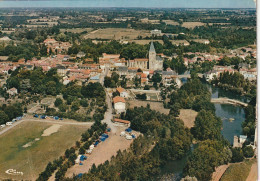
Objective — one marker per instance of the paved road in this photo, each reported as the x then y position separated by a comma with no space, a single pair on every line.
50,120
108,115
103,75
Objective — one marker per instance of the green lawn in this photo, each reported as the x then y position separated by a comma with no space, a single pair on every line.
238,171
33,160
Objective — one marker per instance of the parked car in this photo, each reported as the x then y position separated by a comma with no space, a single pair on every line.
8,123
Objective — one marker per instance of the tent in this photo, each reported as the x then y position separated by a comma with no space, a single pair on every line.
19,118
103,138
128,130
122,133
80,175
43,116
56,117
91,147
96,143
82,158
80,163
104,135
108,129
36,116
133,136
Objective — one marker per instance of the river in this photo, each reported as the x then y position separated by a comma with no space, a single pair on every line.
230,128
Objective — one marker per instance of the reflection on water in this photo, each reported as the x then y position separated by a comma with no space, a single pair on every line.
176,166
230,128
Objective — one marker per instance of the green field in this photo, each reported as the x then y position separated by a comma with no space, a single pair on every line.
33,160
238,171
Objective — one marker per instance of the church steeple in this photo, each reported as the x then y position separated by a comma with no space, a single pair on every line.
152,49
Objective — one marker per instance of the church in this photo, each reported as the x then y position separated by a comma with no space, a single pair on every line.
154,62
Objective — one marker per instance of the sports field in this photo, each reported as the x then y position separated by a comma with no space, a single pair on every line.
29,146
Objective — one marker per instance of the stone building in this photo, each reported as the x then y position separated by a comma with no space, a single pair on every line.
155,61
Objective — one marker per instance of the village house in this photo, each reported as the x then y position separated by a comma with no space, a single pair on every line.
210,75
122,92
168,76
12,92
119,104
121,122
81,54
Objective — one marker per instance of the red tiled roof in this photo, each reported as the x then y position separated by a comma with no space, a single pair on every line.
141,59
121,121
118,99
120,89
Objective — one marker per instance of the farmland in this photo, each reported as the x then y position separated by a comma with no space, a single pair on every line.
192,24
117,34
25,150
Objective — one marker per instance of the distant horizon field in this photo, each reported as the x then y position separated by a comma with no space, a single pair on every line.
33,159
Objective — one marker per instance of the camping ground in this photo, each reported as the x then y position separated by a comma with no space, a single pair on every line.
24,149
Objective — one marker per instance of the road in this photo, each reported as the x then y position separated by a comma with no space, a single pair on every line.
102,76
108,115
49,120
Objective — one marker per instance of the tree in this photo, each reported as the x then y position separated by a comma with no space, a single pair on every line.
75,106
207,126
63,107
248,151
51,88
237,155
84,102
82,150
156,78
58,102
3,117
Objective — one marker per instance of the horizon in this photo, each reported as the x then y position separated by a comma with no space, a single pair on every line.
185,4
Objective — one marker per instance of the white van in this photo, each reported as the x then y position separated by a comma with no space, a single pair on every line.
8,123
128,137
2,125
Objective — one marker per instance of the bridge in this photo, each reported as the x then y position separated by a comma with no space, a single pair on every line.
224,100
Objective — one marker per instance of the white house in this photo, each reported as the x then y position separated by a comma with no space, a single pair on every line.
13,91
210,75
119,104
122,92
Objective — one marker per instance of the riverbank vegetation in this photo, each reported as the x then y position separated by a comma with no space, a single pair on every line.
236,83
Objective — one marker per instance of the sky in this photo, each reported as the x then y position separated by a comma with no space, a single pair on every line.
132,3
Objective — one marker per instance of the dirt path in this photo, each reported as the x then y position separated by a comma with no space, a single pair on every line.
219,172
253,173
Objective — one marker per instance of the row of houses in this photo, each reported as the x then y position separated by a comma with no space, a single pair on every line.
250,74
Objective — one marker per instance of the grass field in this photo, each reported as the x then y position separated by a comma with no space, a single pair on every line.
77,30
192,24
188,117
33,159
117,34
157,106
238,171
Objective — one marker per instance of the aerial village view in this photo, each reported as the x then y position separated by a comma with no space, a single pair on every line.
122,93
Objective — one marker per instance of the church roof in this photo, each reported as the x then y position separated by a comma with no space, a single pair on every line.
152,48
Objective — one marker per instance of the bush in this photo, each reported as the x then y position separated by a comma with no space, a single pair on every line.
58,102
237,155
248,151
84,102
